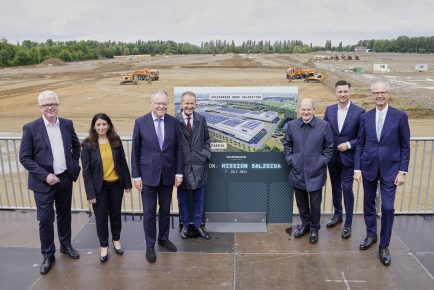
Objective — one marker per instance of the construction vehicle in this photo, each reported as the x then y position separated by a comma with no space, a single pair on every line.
146,74
295,73
314,77
128,80
141,75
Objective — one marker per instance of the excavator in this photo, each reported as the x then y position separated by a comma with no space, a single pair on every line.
142,74
314,77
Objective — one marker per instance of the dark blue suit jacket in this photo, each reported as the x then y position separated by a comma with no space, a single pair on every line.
387,156
348,133
148,161
93,172
36,155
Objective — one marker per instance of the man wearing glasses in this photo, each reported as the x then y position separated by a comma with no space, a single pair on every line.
382,156
156,165
50,151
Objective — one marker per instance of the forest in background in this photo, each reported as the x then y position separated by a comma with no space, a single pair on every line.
31,52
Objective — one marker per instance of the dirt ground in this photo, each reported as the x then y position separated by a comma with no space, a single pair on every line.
86,88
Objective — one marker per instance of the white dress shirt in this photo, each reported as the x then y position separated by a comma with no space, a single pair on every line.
342,115
56,143
186,119
155,119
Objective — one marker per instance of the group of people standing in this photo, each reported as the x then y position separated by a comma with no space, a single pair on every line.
353,144
172,151
166,151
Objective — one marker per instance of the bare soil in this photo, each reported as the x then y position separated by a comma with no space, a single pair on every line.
86,88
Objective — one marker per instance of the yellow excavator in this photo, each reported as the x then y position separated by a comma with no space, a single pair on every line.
141,75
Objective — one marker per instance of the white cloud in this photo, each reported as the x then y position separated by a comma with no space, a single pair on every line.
195,20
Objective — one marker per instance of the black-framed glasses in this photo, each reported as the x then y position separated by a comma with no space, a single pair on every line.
46,106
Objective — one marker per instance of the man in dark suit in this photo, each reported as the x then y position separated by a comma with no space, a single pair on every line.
156,162
196,154
50,151
382,155
343,118
308,145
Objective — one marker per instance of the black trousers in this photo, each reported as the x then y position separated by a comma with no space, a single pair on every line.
309,206
59,196
108,204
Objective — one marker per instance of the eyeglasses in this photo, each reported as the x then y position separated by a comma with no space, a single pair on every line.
379,93
160,104
46,106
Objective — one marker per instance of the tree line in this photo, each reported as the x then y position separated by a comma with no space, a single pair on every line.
30,52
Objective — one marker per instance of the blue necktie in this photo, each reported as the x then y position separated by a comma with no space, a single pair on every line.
160,133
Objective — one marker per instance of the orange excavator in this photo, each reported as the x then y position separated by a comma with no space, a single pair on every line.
140,74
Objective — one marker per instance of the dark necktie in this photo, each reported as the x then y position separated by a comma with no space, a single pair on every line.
189,126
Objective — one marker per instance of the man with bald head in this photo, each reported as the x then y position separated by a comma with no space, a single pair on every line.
308,147
156,165
50,151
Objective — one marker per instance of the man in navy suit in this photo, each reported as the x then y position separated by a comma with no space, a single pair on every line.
156,162
50,151
343,118
382,155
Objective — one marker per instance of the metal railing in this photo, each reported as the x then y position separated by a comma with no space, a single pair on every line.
416,196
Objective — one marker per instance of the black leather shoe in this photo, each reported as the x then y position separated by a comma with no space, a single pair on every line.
103,259
334,221
150,254
367,243
118,251
168,245
70,252
184,233
302,230
313,238
203,234
346,233
384,255
47,264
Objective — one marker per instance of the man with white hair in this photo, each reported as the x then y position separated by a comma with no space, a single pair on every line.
50,151
156,165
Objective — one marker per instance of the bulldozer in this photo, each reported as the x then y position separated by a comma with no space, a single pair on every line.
128,80
314,77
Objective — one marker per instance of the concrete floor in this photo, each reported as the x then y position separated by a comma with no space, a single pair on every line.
272,260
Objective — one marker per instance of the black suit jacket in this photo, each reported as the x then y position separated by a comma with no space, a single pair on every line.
93,172
36,155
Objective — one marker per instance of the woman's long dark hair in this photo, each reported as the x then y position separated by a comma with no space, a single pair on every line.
112,136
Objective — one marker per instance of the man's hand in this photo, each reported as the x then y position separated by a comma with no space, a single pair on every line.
127,190
178,181
138,185
343,147
52,179
400,179
93,200
357,176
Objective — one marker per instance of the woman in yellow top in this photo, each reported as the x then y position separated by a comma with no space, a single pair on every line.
106,176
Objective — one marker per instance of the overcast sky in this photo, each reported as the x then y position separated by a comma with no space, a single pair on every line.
312,21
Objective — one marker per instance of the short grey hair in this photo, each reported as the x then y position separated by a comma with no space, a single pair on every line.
376,83
160,93
188,93
307,100
46,94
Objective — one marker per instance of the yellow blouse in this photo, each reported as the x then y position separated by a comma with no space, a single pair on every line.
108,165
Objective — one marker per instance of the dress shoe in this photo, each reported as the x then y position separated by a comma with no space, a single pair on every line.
47,264
119,251
150,254
334,221
302,230
168,245
384,255
203,234
313,238
70,252
346,233
184,233
104,255
367,243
